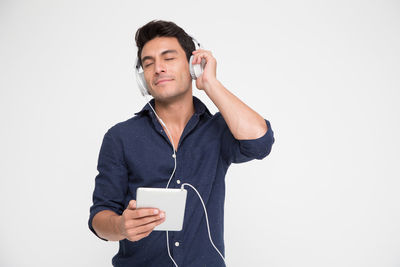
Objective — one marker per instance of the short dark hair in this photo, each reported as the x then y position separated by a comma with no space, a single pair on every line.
161,28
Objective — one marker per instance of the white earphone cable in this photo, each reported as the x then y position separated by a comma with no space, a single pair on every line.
208,225
173,172
201,199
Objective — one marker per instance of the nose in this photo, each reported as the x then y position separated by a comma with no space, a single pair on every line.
159,67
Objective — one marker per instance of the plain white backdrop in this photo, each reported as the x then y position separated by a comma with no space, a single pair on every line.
325,73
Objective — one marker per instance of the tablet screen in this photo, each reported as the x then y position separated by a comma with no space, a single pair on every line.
170,200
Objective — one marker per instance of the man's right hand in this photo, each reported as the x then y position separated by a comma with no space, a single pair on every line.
136,224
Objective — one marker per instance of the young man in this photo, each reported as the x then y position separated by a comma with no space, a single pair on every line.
138,153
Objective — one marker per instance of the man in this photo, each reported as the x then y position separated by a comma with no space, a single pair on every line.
137,153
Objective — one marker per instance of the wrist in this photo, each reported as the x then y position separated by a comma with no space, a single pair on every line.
116,221
211,85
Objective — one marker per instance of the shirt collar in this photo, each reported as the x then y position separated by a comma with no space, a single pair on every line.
199,107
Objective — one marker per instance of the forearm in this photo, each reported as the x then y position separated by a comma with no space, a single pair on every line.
105,223
243,122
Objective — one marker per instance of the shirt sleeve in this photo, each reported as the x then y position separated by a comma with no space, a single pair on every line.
238,151
111,183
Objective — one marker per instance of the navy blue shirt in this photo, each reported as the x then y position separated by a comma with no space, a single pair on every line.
137,153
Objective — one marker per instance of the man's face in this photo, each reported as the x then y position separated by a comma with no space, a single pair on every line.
166,68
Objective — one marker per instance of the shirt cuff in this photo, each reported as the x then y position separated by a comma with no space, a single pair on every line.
93,212
258,148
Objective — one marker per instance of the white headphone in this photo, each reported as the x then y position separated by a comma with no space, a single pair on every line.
195,71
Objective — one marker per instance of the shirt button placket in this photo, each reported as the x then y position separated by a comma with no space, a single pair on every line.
178,252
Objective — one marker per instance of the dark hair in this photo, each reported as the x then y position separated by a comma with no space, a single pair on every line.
160,28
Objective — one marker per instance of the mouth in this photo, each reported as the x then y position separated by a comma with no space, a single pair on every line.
161,81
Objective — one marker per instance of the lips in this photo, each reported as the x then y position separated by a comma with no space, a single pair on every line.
162,80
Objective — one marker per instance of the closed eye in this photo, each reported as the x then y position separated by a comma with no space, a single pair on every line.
171,58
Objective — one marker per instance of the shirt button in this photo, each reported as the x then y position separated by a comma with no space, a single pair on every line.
173,155
178,181
176,244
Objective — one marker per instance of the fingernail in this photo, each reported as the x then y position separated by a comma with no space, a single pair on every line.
162,215
155,211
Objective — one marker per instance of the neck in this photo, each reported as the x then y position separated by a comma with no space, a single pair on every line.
176,113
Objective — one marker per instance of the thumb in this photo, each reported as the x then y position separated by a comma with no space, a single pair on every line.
132,205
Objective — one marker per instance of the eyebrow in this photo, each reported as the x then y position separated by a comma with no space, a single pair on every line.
162,53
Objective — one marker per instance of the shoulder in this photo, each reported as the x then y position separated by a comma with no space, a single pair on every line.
218,120
130,126
212,125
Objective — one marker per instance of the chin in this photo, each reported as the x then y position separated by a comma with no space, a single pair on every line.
168,96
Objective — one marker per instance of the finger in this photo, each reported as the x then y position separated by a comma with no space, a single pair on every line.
149,219
144,212
132,204
199,50
148,227
138,237
197,58
200,56
134,214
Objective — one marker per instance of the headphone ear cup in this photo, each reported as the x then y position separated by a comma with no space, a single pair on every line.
142,83
197,69
144,88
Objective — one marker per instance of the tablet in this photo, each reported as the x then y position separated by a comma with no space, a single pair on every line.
170,200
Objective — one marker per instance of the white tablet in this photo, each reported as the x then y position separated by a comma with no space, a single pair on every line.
170,200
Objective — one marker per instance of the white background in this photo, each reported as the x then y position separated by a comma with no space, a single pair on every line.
326,74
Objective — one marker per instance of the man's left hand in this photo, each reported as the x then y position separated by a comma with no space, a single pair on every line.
209,76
